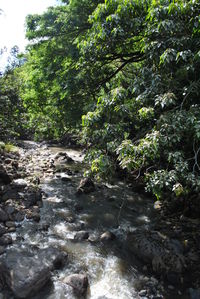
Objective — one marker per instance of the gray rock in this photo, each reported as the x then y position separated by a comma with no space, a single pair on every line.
82,235
142,293
86,186
11,194
79,283
2,249
63,156
10,224
155,248
3,215
25,273
11,229
65,179
18,217
31,198
43,226
5,240
10,210
5,177
107,236
2,230
19,184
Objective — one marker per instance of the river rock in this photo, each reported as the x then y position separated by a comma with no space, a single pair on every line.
19,216
79,283
25,273
4,176
11,194
82,235
65,178
156,249
3,215
63,156
5,240
86,186
2,230
19,184
107,236
31,198
10,224
2,249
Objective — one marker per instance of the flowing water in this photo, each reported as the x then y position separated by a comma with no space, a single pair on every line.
111,270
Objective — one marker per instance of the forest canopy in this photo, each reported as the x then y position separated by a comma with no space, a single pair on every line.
125,75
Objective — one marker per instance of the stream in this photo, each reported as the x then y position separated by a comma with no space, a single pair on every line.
111,270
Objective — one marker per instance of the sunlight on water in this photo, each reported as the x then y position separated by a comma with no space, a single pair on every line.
112,282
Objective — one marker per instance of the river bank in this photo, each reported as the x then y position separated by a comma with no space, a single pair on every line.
110,235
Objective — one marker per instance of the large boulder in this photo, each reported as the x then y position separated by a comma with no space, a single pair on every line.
152,247
26,273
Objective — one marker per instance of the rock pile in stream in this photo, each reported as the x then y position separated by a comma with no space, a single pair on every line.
166,249
18,198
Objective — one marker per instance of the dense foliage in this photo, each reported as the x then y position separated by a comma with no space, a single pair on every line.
128,72
13,118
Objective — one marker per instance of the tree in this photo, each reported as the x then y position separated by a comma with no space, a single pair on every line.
131,68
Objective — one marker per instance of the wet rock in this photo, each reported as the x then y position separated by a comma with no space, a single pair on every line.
63,156
65,179
33,215
19,184
82,235
86,186
52,257
70,219
142,293
10,210
93,239
78,208
2,230
5,240
7,161
107,236
25,273
19,216
3,215
10,224
11,194
36,217
5,177
11,229
31,198
158,250
2,249
79,283
43,226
